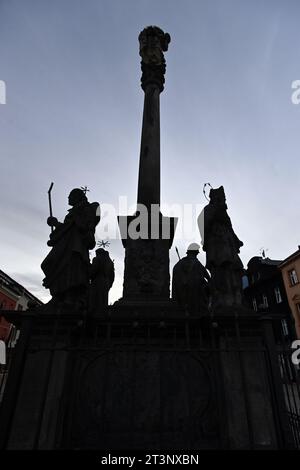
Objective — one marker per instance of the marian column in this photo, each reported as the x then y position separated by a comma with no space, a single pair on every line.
147,236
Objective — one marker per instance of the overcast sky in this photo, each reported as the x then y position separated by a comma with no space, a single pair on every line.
74,110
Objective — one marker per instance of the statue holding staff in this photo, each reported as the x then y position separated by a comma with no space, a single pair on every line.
67,265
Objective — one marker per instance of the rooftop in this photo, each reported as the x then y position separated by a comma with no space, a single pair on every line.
8,282
290,258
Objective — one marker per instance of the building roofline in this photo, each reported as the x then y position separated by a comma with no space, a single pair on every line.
259,260
9,291
290,258
15,285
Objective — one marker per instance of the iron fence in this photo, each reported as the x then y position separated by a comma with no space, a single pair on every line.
246,350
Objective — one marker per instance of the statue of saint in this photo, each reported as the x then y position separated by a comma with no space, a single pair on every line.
153,42
222,247
190,282
66,267
102,275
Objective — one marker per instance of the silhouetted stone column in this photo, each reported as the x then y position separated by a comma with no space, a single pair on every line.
149,170
147,255
153,42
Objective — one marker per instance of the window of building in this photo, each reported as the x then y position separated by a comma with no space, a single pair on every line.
293,277
265,301
278,295
254,304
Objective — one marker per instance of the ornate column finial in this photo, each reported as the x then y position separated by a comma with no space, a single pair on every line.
153,42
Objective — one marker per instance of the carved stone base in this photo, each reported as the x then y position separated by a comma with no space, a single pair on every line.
146,269
147,274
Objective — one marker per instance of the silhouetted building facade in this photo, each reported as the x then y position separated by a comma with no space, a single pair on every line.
265,292
13,296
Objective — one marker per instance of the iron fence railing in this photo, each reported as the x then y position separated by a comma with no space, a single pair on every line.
208,335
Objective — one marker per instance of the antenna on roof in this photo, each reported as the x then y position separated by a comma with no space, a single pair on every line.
263,251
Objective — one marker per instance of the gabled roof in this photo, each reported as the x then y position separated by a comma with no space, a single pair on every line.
10,283
265,261
271,262
290,258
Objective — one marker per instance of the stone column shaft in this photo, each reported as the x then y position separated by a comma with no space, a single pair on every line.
149,169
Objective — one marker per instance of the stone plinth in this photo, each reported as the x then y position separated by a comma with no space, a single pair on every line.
147,274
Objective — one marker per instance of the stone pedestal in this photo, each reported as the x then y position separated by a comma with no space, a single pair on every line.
147,274
145,378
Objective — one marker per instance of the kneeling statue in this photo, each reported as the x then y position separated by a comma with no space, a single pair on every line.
102,276
190,282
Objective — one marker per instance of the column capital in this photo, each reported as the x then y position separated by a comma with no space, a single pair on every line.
153,43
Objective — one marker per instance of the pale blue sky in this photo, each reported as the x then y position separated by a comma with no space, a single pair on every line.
74,109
